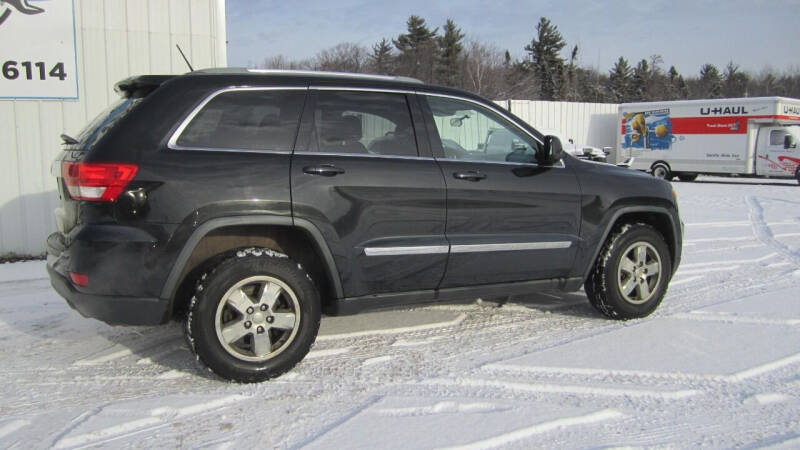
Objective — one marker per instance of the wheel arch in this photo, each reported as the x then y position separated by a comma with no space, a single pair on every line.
657,217
298,238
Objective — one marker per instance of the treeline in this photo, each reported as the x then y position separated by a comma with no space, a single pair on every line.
445,56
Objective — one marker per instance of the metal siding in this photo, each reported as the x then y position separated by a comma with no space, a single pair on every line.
115,39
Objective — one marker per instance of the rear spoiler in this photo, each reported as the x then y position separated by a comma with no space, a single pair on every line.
140,86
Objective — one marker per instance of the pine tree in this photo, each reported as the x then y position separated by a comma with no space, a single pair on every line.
571,91
546,62
735,84
381,58
620,81
450,49
641,81
417,49
710,82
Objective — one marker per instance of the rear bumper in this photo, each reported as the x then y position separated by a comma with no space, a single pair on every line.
113,310
122,290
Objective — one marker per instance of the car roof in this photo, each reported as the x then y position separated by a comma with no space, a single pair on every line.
323,78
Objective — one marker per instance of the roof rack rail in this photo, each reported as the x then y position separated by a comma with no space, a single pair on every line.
321,73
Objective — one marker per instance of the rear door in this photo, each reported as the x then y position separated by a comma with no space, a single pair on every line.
508,218
364,176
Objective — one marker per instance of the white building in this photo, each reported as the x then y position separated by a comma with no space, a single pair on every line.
96,43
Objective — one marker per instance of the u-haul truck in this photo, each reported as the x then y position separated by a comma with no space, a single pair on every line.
755,137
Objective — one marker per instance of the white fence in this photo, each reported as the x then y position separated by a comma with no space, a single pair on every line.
114,40
592,124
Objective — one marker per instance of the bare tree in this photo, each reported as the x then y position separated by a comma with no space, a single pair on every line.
483,69
344,57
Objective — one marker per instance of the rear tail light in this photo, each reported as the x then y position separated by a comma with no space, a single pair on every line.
98,182
81,279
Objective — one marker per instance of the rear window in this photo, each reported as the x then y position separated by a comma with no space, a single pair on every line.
105,121
246,120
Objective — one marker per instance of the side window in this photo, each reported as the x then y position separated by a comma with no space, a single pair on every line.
776,137
470,132
246,120
363,122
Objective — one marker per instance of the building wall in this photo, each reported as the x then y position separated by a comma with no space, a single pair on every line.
115,39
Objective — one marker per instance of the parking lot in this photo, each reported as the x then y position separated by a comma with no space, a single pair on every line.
716,364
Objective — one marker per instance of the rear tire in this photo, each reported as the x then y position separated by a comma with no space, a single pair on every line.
254,316
687,176
661,170
631,274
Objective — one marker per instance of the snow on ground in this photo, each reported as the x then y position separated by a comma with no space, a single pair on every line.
716,365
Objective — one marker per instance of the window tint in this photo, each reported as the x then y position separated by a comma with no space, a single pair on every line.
776,137
470,132
363,122
248,120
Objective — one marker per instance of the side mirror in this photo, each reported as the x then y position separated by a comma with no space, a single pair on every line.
552,151
456,122
788,141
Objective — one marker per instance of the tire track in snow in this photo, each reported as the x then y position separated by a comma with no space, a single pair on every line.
159,417
506,439
763,233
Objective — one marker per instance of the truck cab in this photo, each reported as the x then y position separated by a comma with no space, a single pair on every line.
776,150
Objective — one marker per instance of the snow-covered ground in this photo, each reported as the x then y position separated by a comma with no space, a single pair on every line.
716,365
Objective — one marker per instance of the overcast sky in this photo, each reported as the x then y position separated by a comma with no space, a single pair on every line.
753,33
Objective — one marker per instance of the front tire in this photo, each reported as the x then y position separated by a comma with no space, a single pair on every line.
254,316
631,274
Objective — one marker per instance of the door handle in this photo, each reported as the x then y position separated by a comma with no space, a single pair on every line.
326,170
471,175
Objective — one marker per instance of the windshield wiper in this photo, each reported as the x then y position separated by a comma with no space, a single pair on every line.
69,140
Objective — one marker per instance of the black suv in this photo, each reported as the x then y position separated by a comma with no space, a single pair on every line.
249,202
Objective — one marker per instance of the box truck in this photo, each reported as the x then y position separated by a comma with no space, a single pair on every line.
753,137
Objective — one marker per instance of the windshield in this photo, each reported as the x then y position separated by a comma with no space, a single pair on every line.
105,121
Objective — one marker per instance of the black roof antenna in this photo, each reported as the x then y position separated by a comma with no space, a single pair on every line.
191,69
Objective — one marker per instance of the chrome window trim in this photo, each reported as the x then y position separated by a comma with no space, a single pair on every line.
368,155
465,248
507,163
172,143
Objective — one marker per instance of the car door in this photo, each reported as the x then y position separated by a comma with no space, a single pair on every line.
376,195
508,218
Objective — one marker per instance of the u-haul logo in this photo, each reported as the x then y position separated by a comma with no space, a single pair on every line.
791,109
723,110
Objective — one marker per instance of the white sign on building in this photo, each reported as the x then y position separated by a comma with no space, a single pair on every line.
37,50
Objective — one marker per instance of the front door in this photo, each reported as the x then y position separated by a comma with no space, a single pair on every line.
508,218
774,157
359,177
